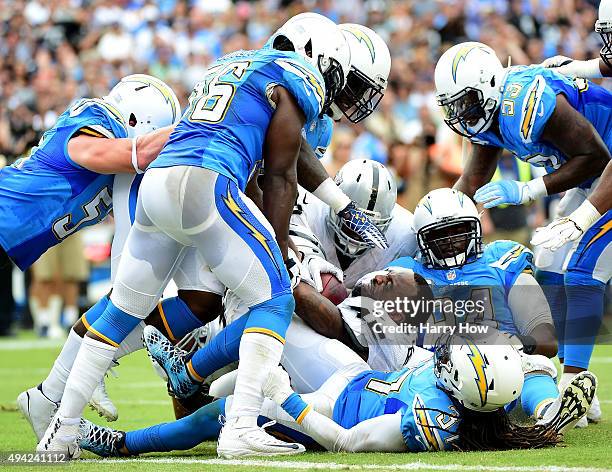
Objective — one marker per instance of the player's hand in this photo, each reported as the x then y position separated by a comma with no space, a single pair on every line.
507,192
557,233
564,230
316,266
556,61
294,267
357,221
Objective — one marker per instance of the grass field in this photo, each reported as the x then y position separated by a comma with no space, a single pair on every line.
142,401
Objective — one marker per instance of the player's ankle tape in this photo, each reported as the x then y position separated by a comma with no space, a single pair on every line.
296,407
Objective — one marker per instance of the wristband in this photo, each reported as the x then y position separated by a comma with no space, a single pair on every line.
135,157
330,193
584,69
585,215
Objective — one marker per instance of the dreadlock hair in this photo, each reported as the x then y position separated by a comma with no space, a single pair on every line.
495,431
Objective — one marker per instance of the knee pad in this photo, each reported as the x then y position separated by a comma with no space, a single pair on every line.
114,325
130,301
538,363
274,314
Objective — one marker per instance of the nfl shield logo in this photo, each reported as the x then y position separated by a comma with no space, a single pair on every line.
451,275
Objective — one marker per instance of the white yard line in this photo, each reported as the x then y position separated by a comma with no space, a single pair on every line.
30,344
417,465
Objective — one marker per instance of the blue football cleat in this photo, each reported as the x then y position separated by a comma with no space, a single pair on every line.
105,442
172,360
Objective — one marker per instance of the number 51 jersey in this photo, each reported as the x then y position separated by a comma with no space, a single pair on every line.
46,197
225,125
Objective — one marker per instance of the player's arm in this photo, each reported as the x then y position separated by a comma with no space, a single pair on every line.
117,155
319,313
601,198
281,148
479,169
576,138
532,317
591,69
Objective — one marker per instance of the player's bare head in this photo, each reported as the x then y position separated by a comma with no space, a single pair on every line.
396,284
448,228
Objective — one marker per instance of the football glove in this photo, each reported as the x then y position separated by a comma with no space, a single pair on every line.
510,192
294,267
316,266
357,221
567,229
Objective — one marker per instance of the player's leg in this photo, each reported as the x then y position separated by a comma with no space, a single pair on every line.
587,275
540,386
238,244
146,265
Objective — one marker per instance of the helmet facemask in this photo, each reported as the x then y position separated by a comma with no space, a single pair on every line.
467,112
450,243
360,96
604,28
331,70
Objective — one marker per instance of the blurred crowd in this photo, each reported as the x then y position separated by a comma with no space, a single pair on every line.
54,51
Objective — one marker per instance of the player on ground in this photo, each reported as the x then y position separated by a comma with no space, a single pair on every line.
452,401
547,120
457,265
251,106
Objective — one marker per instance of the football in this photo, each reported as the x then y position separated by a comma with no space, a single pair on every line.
333,289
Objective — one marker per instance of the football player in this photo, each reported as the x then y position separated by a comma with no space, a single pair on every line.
430,405
251,106
499,275
547,120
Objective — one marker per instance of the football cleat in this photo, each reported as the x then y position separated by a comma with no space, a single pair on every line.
172,360
103,441
236,440
572,403
61,437
594,413
37,409
102,404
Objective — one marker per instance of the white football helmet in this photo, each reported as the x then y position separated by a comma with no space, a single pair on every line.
603,26
372,187
469,79
145,103
367,79
321,42
481,376
448,228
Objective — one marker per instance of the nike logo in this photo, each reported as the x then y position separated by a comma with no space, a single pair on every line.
308,92
286,446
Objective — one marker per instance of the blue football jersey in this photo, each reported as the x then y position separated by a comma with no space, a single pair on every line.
225,125
318,134
430,419
46,197
529,99
486,280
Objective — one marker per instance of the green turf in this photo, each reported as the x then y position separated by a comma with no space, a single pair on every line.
142,401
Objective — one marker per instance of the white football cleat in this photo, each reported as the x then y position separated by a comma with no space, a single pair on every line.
572,404
594,413
239,440
37,409
102,404
61,437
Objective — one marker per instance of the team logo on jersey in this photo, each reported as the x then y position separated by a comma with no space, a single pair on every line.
362,38
461,55
451,275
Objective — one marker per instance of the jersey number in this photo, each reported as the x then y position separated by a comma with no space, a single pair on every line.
92,210
212,96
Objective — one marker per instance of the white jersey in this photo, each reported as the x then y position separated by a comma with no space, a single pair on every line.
384,353
310,218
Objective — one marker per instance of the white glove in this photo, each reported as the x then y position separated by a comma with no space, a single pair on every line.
294,267
316,266
556,61
564,230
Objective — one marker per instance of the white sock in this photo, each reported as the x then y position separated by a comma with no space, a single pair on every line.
53,385
55,310
35,312
132,343
92,362
259,353
71,314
